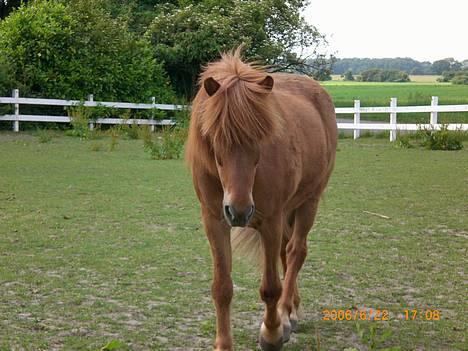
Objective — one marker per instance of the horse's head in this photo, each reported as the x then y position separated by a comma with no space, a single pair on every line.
235,116
236,170
243,121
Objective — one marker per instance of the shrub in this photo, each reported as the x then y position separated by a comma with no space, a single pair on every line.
71,49
442,139
348,75
403,141
381,75
79,119
6,79
460,77
169,143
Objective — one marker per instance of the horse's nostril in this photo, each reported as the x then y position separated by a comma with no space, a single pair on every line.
236,218
228,211
250,212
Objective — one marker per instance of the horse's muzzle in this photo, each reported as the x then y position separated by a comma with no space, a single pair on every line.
238,218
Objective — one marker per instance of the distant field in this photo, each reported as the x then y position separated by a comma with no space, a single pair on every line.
413,78
408,94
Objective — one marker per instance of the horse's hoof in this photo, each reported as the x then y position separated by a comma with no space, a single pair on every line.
294,325
266,346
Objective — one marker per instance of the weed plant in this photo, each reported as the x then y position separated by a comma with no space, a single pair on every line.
432,139
44,135
79,119
168,144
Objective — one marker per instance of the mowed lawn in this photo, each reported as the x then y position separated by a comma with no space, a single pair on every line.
98,246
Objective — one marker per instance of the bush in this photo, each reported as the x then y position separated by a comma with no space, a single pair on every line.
169,144
442,139
460,77
348,75
456,77
79,119
6,77
72,49
403,141
432,139
381,75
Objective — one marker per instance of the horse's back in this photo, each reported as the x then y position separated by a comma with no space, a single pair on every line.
307,109
308,144
297,94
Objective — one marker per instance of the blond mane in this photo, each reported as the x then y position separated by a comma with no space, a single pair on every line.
239,113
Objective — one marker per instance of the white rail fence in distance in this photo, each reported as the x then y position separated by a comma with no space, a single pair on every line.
356,126
16,118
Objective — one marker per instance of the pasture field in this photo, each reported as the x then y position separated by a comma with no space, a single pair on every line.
408,94
98,246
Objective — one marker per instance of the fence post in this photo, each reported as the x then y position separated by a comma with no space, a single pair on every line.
91,99
153,101
393,120
16,121
357,118
434,103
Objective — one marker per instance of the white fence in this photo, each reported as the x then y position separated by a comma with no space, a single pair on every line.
16,118
393,110
357,125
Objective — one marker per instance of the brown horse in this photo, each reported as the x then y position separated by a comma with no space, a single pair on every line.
261,149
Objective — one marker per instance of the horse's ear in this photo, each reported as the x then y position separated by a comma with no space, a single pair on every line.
211,86
267,82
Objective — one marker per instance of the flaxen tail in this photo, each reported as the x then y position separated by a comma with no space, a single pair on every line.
247,244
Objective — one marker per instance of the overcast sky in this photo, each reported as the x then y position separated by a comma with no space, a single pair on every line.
426,30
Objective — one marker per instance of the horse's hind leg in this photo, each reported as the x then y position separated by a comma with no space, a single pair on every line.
296,252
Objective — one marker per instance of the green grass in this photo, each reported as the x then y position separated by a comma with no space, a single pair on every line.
416,94
98,246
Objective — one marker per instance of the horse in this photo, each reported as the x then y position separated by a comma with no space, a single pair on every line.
261,148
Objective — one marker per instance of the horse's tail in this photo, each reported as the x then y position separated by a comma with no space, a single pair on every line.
247,244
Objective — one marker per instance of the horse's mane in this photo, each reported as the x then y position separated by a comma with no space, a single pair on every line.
240,112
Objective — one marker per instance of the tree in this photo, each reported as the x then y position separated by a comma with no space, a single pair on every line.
186,37
348,75
406,64
7,6
446,65
72,50
380,75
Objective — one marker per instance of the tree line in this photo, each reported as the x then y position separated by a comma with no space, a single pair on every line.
131,50
408,65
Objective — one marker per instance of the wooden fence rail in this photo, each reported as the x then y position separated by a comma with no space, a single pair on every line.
356,125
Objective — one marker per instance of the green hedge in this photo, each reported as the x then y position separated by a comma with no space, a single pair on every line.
57,50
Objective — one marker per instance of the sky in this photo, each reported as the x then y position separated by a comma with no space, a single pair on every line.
426,30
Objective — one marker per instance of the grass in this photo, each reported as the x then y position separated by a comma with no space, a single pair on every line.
102,246
415,94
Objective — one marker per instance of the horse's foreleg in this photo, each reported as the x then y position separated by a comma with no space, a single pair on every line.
296,252
271,332
222,290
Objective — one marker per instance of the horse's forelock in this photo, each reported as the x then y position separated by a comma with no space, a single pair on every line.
240,112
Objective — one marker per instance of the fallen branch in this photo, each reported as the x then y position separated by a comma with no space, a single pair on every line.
377,214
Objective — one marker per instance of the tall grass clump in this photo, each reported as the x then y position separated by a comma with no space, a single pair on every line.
79,119
432,139
168,144
44,136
